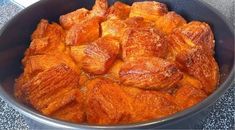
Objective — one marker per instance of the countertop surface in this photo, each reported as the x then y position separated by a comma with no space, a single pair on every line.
221,115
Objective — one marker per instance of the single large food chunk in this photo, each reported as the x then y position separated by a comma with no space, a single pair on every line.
46,30
149,10
55,88
197,33
84,32
80,15
38,63
75,17
202,66
107,103
118,10
47,38
100,55
195,58
150,73
139,42
149,105
169,22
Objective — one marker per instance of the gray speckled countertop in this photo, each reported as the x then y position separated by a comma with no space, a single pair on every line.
220,117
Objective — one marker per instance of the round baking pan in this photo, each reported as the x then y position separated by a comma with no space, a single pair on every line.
15,38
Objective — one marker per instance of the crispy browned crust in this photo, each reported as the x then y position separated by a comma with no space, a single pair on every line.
107,103
81,16
75,17
100,8
84,32
191,46
47,38
117,27
202,66
169,22
139,42
100,55
149,10
198,33
150,73
38,63
176,45
40,30
113,27
118,10
46,30
54,87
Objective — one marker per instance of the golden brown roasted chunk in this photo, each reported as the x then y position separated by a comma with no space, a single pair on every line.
202,66
100,8
149,73
84,32
75,17
107,103
52,31
149,10
100,55
54,87
80,15
113,27
194,58
143,42
187,96
118,10
117,27
42,27
149,105
47,38
169,22
197,33
38,63
176,45
74,111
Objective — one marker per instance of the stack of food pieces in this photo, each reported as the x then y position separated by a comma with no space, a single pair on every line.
117,65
